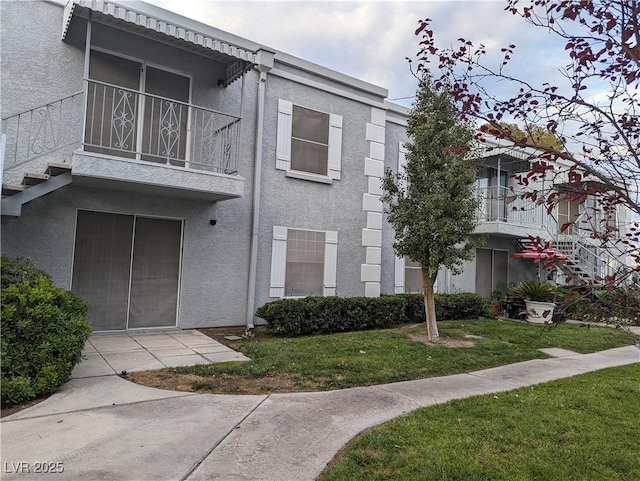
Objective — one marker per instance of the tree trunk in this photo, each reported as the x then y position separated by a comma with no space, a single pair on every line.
429,307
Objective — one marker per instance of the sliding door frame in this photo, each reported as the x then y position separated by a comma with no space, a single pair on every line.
180,263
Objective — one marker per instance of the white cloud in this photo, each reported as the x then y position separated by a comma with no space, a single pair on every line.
370,40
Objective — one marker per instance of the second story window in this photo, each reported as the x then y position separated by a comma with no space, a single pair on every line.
309,143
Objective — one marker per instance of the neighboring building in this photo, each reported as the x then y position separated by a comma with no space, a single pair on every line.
173,174
509,220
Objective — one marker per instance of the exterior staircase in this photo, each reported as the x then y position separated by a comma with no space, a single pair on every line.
35,147
34,185
585,264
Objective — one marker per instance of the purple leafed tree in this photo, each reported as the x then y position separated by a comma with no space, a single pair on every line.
593,110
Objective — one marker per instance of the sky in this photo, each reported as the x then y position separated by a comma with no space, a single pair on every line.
370,40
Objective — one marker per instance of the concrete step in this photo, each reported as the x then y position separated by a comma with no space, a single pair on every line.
57,168
11,189
32,178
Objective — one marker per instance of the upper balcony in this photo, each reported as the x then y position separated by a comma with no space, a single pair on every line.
122,138
505,214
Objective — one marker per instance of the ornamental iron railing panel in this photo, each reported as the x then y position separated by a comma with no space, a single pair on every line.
126,123
132,124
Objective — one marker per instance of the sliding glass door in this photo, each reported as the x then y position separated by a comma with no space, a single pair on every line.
127,268
136,111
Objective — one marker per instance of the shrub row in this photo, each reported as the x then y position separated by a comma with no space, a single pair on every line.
44,329
324,315
617,305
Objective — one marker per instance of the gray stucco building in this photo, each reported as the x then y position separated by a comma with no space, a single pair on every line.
176,175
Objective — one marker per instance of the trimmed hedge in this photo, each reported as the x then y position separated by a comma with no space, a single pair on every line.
44,329
324,315
18,271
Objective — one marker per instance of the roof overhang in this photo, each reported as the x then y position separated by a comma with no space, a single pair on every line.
238,60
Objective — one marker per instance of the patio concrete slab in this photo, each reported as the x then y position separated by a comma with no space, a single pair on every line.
135,360
156,340
113,343
92,365
177,361
193,340
161,352
110,354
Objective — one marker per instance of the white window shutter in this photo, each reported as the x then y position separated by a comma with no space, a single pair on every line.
402,162
278,261
399,282
283,136
330,263
335,146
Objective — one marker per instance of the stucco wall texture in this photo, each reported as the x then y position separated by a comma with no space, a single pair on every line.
215,259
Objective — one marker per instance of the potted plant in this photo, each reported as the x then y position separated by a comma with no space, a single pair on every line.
497,297
539,299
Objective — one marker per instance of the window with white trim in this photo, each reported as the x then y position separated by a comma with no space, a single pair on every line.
303,262
412,276
309,143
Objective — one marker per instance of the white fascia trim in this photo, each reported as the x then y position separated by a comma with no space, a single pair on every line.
326,88
320,71
397,108
400,122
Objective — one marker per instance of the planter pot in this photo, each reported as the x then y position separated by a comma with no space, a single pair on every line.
539,312
494,309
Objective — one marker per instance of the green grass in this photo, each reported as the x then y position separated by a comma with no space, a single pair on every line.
583,428
374,357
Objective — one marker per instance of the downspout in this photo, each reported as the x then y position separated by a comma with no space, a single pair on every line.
85,80
265,63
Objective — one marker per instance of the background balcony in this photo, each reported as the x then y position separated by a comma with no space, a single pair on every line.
501,212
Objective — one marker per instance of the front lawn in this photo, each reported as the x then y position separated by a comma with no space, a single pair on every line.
335,361
583,428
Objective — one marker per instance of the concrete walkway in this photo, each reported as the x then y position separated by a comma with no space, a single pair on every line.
104,427
108,354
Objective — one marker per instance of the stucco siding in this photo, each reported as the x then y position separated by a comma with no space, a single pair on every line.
37,67
305,204
214,258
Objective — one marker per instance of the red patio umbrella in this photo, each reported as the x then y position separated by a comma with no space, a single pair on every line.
537,256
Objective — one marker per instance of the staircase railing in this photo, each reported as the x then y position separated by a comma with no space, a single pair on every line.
42,130
577,246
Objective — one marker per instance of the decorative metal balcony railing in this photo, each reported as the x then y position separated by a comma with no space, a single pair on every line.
499,204
126,123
